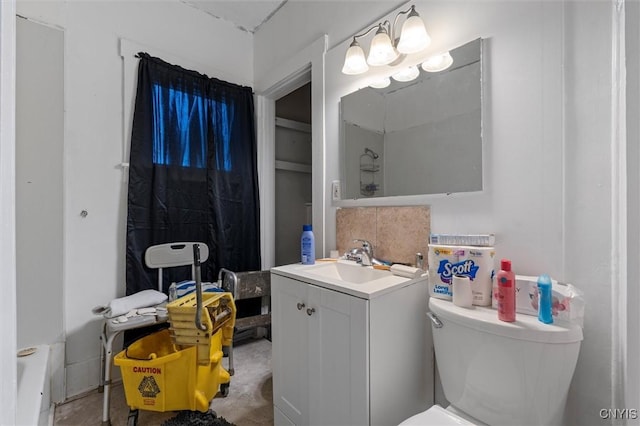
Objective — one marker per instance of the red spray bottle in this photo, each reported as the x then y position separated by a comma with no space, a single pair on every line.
506,292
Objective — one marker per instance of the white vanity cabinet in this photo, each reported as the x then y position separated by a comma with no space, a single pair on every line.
340,359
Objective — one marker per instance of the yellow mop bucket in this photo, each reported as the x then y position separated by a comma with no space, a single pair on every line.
218,314
157,376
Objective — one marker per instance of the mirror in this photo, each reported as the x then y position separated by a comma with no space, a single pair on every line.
418,137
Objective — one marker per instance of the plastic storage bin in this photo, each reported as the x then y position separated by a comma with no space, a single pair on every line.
158,376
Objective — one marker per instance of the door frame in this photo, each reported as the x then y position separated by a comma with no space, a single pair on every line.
304,67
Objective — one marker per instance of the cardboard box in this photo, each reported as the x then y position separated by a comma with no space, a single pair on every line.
568,302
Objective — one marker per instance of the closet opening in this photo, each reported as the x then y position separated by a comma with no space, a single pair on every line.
293,174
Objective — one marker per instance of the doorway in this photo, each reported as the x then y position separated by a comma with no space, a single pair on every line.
293,175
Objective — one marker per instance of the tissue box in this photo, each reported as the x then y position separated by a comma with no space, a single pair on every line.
567,300
474,262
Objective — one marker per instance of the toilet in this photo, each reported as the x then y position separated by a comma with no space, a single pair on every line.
499,373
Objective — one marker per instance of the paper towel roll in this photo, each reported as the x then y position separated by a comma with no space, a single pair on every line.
462,295
405,271
483,261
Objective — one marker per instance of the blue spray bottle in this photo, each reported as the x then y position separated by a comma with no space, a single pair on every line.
545,313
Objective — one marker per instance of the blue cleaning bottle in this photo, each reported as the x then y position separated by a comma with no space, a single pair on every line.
307,246
545,314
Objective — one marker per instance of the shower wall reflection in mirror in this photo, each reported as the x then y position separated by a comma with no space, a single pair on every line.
418,137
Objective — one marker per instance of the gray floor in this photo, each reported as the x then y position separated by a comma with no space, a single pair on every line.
250,400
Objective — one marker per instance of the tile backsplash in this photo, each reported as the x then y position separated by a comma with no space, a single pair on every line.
397,233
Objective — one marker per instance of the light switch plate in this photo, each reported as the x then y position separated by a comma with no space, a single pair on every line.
335,190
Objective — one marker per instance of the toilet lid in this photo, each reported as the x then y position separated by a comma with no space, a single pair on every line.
435,415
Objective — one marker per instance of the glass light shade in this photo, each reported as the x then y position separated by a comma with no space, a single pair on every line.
438,62
381,51
381,83
354,62
407,74
414,37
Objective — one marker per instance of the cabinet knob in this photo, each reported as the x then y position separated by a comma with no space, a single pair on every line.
310,311
300,306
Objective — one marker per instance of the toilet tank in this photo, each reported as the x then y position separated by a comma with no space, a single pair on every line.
504,373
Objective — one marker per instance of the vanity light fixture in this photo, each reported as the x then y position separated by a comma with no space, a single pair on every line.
385,48
438,62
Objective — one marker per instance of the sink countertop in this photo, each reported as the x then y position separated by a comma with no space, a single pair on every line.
367,290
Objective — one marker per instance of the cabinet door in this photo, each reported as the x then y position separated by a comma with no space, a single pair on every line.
338,358
280,419
290,353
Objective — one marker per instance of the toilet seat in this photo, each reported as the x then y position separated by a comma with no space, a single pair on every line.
437,416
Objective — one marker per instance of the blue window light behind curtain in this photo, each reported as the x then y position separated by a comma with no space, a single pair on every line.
193,171
185,112
223,161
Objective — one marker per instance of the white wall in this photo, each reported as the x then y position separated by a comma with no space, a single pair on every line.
94,246
298,24
39,145
39,192
548,147
8,327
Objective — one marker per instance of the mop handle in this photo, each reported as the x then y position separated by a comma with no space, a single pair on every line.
196,263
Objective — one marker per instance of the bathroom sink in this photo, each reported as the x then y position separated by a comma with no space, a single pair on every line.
346,276
348,272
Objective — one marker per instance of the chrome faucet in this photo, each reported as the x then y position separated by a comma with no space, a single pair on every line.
363,255
360,255
366,246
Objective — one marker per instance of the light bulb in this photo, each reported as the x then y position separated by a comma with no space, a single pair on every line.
381,83
407,74
438,62
354,62
413,37
381,51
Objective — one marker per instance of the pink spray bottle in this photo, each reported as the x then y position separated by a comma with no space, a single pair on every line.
506,292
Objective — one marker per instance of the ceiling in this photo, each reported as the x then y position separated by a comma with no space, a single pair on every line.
245,14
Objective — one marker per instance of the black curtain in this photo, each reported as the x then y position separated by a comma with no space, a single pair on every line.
193,172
